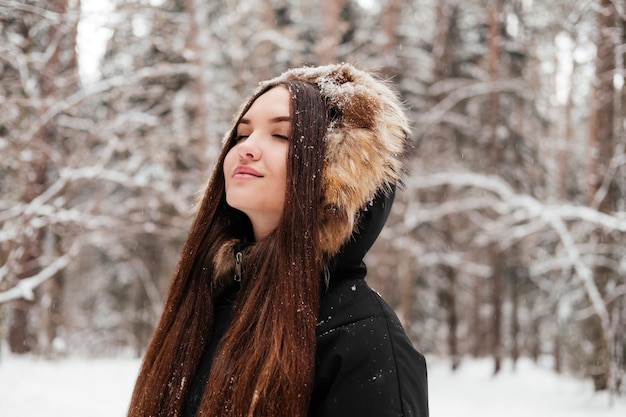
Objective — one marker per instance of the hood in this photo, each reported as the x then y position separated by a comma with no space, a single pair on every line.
348,262
365,146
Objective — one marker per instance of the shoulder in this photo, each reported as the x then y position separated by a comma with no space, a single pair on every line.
351,307
365,361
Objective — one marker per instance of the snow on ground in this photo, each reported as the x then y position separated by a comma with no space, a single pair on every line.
67,388
80,387
530,390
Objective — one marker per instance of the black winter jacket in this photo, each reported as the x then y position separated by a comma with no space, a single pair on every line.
365,364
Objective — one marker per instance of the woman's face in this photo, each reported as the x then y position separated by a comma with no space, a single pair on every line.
255,169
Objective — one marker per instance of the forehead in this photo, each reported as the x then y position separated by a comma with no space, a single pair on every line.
272,103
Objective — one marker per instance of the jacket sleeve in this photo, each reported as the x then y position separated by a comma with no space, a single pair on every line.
369,368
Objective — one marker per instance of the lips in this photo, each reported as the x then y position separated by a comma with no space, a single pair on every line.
243,171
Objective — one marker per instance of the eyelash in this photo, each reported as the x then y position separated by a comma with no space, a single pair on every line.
239,138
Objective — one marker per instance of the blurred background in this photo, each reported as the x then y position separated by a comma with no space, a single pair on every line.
506,242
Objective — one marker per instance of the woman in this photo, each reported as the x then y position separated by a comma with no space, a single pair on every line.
268,313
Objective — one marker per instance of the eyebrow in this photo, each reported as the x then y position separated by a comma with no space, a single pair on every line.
278,119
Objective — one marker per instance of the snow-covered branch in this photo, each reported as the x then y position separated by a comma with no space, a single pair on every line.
40,11
511,200
135,78
517,216
460,93
25,288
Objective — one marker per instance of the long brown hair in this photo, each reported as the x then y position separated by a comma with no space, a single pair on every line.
265,362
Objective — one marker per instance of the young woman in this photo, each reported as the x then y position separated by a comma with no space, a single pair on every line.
268,313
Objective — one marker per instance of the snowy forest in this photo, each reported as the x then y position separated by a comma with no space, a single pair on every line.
508,239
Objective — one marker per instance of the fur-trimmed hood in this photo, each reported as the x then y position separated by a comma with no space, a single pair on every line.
365,147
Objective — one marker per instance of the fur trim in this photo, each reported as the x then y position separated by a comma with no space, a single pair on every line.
223,265
364,147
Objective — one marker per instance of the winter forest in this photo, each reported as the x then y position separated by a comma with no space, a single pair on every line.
507,241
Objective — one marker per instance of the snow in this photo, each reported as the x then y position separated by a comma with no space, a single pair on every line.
69,388
530,390
93,34
102,387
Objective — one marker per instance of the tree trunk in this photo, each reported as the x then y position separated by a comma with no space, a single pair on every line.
476,327
61,64
557,349
448,297
390,20
497,296
603,192
565,143
497,300
515,325
197,43
444,52
21,335
535,348
52,313
406,299
601,140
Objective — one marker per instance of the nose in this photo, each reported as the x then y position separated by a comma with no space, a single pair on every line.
249,149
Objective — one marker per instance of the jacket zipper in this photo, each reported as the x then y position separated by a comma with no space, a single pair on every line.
238,266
